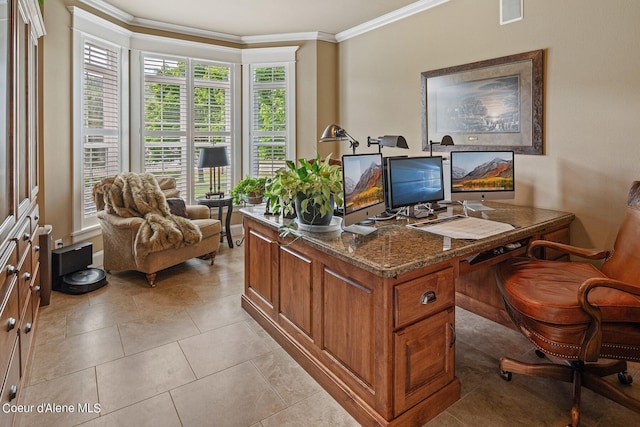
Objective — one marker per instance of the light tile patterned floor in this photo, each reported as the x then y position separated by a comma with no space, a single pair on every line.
186,354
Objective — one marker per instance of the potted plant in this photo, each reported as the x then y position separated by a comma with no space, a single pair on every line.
249,189
310,190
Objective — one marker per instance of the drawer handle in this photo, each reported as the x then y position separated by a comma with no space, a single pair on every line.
36,288
428,297
11,270
36,248
28,327
13,392
27,276
26,237
11,323
453,335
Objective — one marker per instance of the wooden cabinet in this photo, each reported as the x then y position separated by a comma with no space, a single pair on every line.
21,26
383,347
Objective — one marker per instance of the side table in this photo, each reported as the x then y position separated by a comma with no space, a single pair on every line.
220,203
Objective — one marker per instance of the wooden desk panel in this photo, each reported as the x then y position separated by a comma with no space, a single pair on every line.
348,309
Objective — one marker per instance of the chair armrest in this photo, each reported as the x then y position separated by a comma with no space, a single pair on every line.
198,212
116,221
593,337
567,249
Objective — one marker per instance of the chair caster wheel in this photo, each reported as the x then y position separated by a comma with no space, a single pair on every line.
540,354
625,378
506,375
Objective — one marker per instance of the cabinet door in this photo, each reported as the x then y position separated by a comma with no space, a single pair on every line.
259,269
295,280
424,359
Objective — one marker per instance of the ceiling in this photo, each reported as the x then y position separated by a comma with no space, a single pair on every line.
246,18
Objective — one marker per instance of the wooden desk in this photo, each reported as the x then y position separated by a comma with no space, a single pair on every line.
371,318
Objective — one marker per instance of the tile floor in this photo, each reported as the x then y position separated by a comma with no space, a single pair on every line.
186,354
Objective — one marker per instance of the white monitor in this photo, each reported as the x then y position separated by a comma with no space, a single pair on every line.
482,175
363,192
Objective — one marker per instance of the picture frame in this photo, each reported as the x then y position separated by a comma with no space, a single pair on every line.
496,104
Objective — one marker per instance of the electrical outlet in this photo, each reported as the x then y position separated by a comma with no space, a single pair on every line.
58,243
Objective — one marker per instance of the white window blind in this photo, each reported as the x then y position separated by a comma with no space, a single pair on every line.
269,121
100,118
187,106
212,101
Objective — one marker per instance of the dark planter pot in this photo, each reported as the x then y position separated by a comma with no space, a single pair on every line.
312,217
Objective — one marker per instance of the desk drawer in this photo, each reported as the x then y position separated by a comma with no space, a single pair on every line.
423,296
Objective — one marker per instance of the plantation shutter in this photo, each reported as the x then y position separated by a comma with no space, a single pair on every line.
187,106
165,119
100,118
268,120
212,102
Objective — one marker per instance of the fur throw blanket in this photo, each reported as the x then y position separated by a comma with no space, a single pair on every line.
139,195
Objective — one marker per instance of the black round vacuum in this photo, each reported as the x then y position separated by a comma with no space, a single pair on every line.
82,281
70,272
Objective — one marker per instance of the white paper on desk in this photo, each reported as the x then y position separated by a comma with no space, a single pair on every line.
463,227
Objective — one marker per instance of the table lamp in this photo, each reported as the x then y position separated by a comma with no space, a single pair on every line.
334,132
388,141
213,157
446,140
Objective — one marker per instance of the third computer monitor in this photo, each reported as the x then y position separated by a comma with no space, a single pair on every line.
482,175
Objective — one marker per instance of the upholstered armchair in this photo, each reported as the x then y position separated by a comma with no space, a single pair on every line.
146,231
579,315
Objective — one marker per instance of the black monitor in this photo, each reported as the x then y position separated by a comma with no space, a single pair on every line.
482,175
362,186
385,179
413,181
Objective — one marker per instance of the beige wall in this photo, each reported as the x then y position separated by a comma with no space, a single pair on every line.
592,98
592,94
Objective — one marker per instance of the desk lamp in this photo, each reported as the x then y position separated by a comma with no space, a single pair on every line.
334,132
446,140
388,141
213,157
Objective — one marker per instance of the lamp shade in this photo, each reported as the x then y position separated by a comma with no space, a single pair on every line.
213,157
446,140
333,132
393,141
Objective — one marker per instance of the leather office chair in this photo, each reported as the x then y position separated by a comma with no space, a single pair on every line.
578,314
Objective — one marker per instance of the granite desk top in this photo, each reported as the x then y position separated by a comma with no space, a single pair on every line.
393,248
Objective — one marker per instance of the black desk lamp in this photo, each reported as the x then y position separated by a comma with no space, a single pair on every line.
388,141
334,132
213,157
446,140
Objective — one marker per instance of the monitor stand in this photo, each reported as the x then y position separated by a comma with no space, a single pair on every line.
418,211
475,206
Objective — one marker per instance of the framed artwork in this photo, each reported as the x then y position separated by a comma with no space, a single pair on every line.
495,104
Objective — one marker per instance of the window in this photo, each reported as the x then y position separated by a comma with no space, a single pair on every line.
268,120
100,112
270,110
101,118
187,105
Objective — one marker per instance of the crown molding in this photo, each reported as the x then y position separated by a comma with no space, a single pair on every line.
404,12
386,19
